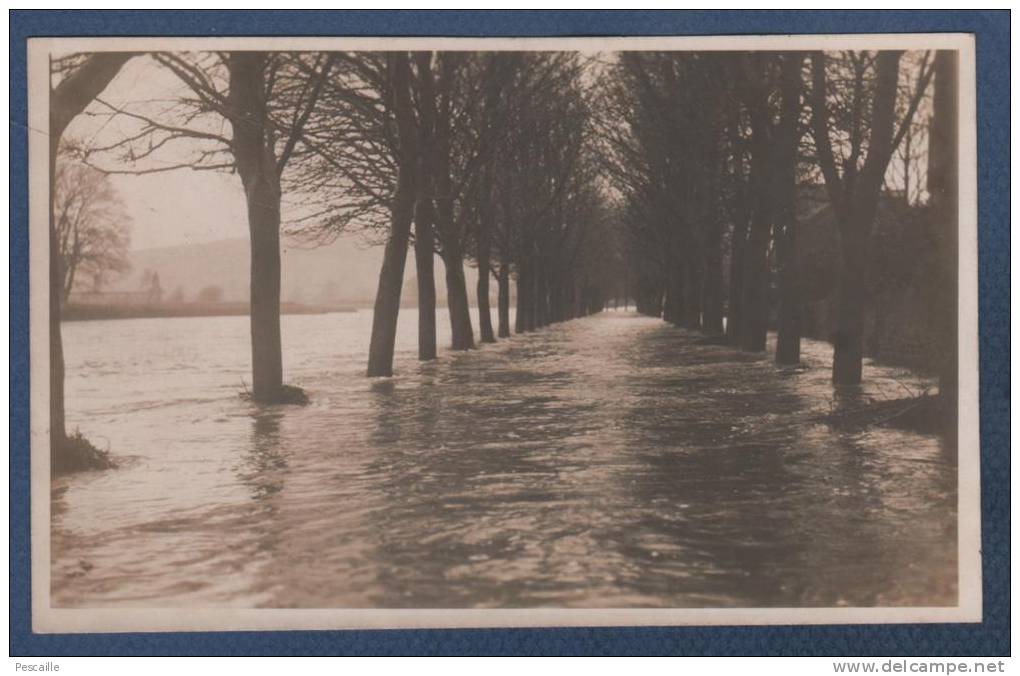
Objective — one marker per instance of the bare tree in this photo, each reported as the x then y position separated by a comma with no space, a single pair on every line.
668,163
498,73
859,102
82,79
788,134
757,84
449,106
425,213
391,276
539,172
371,131
266,98
92,228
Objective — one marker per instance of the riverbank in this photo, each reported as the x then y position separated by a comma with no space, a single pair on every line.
75,312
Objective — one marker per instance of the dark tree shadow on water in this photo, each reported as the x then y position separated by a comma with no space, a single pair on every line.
263,468
753,503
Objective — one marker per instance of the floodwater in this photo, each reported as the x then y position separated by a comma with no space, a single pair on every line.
609,461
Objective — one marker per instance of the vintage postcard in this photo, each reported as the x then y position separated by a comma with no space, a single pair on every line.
428,332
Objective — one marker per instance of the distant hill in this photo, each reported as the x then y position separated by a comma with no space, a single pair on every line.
345,272
342,272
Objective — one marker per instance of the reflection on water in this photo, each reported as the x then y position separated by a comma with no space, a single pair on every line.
608,461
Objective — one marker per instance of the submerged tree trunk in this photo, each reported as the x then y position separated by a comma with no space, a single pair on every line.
711,294
486,216
848,339
879,316
556,313
525,295
263,197
734,313
457,301
387,297
256,164
754,300
785,225
448,228
692,297
541,308
425,212
74,93
424,258
504,299
485,332
391,277
58,430
738,235
856,218
522,284
790,303
673,306
711,245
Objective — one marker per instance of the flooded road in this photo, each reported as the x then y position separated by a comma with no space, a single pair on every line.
610,461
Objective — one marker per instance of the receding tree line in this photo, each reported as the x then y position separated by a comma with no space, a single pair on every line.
710,152
563,176
479,158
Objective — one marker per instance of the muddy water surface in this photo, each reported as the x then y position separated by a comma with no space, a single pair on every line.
609,461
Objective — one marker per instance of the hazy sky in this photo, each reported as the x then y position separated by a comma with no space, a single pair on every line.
176,207
182,207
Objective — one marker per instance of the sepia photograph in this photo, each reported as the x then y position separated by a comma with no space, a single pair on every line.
496,332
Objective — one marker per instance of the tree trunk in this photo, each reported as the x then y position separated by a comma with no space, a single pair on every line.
754,302
790,303
556,313
486,215
692,297
425,210
504,299
58,430
391,277
541,308
551,292
448,229
526,295
875,340
856,219
263,198
457,301
256,164
67,101
785,225
424,258
740,214
391,282
673,308
848,339
522,282
668,302
943,184
734,310
485,332
711,294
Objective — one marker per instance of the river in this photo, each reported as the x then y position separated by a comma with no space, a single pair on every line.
609,461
